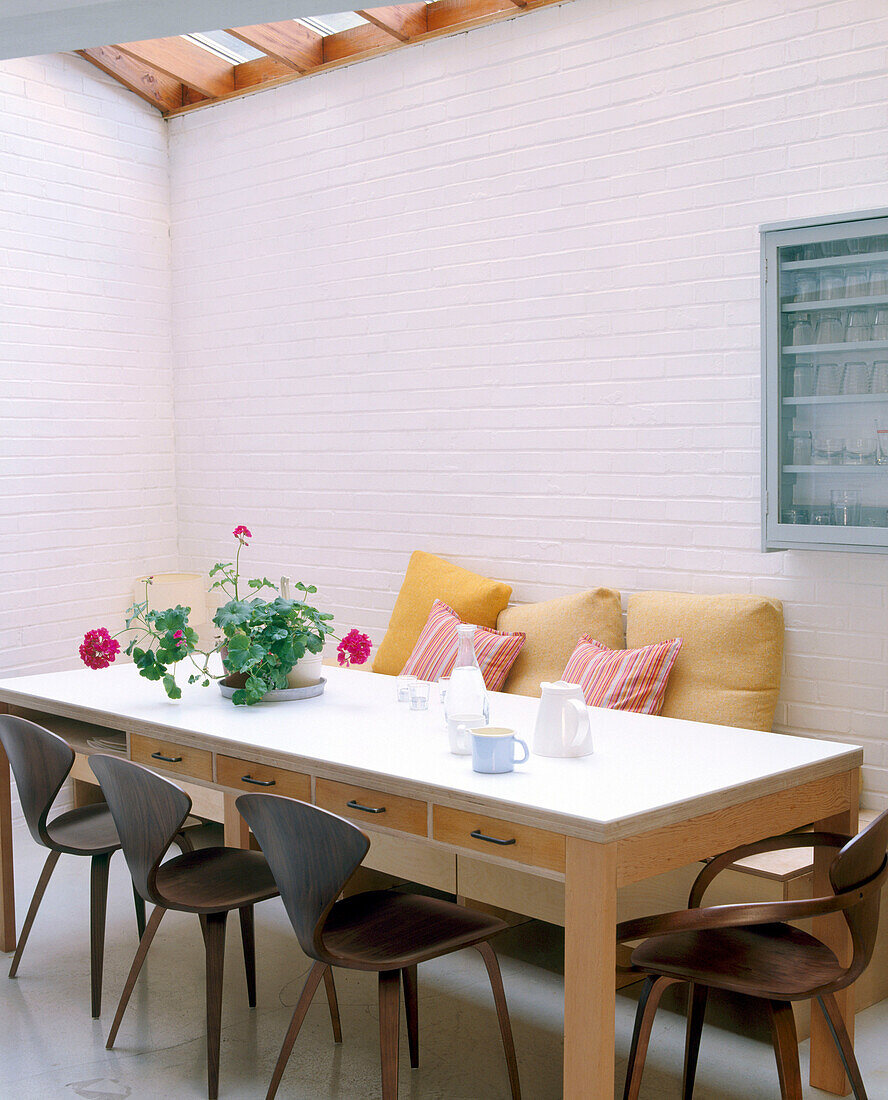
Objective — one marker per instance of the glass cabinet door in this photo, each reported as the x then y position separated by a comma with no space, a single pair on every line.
826,386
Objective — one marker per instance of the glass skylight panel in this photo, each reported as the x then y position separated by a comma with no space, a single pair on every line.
333,23
225,46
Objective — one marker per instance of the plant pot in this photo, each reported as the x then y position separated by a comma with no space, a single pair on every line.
306,671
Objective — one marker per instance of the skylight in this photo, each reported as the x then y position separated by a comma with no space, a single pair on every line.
333,23
225,46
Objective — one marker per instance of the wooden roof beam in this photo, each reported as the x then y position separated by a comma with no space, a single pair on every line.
444,15
288,43
185,61
402,22
156,88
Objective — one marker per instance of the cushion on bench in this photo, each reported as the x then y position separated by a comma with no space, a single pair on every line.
474,598
553,629
728,670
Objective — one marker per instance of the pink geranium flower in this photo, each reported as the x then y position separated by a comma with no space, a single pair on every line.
98,649
242,533
354,649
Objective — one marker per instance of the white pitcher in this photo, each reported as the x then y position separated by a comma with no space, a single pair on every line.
562,723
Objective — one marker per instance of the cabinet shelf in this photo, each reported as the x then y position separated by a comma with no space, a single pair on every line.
819,349
845,468
861,260
836,304
840,399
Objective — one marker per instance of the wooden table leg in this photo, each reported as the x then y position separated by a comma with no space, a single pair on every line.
826,1067
589,961
235,830
7,886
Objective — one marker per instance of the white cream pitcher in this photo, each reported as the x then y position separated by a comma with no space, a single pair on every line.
562,723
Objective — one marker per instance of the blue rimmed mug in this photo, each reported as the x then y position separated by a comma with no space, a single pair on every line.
494,748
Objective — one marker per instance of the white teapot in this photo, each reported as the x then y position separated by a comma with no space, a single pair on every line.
562,723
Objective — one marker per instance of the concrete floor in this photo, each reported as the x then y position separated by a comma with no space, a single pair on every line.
50,1047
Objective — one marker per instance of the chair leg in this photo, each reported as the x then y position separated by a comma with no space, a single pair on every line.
98,905
411,1011
837,1028
215,947
697,996
786,1049
333,1003
39,890
140,911
305,997
248,937
502,1012
389,1019
183,842
145,942
648,1003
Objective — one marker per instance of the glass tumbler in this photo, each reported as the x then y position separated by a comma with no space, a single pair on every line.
879,280
860,451
794,515
803,380
807,287
858,326
882,441
879,330
857,283
856,379
829,378
845,504
821,517
798,449
828,451
404,684
802,332
420,690
832,285
830,329
880,376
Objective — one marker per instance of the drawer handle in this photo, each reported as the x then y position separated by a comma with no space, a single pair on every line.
166,759
258,782
478,835
352,805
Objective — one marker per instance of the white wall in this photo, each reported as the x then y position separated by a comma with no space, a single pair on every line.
497,296
86,461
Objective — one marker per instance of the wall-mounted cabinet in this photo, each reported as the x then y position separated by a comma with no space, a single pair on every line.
825,384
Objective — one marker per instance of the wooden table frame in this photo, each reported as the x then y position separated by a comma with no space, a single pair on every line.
592,871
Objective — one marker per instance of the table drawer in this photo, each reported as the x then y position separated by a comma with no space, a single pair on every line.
495,837
169,756
247,775
376,808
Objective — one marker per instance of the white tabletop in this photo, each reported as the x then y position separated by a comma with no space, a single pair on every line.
645,771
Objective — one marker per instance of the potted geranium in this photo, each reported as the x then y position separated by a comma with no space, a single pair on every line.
261,639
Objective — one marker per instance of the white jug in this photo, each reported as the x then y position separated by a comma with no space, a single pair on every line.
562,723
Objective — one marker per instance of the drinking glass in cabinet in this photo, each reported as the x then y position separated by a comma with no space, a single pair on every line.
880,376
860,452
821,517
802,332
830,329
857,283
858,327
882,441
832,285
879,280
835,248
829,378
845,505
828,451
856,379
806,287
795,515
798,449
880,325
803,380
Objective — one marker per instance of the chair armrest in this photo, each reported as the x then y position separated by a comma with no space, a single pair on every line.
770,844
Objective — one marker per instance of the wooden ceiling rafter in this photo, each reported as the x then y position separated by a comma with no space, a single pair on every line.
178,75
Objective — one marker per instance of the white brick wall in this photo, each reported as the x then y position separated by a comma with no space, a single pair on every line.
497,297
86,462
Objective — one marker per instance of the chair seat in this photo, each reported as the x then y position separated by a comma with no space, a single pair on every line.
773,961
385,930
88,830
214,880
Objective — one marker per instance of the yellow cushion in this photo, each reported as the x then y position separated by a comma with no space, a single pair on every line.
728,669
474,598
553,629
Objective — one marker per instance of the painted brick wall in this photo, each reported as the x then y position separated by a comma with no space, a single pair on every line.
497,297
86,457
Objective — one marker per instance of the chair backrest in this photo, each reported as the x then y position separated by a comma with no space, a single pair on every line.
311,853
858,863
40,762
148,811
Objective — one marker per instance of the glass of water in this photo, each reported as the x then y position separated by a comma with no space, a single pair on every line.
845,505
419,694
404,683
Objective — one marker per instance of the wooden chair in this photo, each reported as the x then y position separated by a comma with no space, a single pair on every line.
750,950
148,811
41,762
313,854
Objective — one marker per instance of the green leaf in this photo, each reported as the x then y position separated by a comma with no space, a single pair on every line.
233,613
172,688
239,698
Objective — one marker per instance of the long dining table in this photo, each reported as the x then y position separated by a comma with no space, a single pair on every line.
655,794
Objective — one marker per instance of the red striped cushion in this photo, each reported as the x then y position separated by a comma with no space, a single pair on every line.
434,654
622,679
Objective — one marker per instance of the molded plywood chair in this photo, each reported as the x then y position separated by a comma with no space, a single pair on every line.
40,762
148,811
313,854
750,950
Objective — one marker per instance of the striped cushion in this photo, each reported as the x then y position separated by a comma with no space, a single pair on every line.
622,679
434,654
